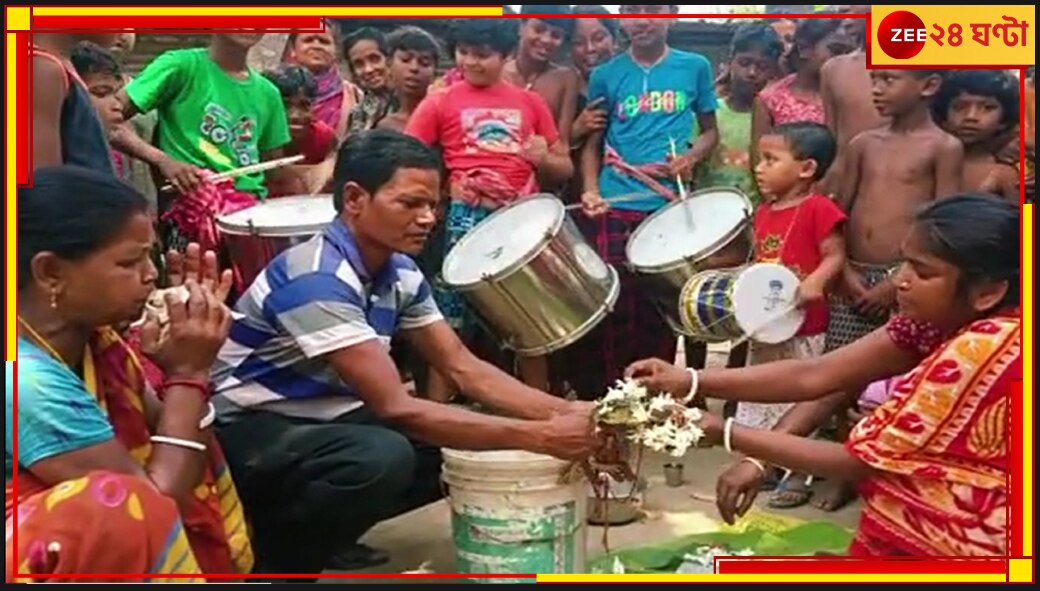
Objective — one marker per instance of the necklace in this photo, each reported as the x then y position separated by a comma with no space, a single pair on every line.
89,377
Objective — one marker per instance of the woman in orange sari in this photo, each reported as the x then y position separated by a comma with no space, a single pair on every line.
931,463
102,477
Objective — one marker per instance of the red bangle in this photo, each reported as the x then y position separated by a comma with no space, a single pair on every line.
204,388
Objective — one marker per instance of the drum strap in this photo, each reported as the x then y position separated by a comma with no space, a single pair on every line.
641,173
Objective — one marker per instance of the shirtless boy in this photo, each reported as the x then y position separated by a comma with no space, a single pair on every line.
847,104
533,68
891,171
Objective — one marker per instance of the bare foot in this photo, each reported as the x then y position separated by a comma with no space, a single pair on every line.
834,496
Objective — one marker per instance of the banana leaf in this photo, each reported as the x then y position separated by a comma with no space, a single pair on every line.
665,558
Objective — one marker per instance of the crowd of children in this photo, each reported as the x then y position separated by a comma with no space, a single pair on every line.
836,158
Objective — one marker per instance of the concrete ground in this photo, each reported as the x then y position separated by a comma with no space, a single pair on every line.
423,537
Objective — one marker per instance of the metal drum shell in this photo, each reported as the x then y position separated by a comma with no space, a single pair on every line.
252,248
664,283
548,299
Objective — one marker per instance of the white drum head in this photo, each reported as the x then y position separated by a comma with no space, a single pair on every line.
761,294
502,240
283,216
688,229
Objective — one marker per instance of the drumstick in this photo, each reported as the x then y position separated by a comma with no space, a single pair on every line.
678,178
259,167
751,333
618,199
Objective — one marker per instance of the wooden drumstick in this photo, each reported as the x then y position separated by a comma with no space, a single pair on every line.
618,199
259,167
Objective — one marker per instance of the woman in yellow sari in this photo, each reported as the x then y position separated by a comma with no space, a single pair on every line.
931,462
102,477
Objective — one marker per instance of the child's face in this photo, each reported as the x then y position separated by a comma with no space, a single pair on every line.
412,71
974,118
314,51
103,88
298,111
480,65
539,39
896,92
369,64
814,56
778,171
593,44
642,31
784,27
750,70
123,44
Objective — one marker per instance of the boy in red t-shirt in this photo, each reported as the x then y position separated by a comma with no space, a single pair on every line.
500,143
801,229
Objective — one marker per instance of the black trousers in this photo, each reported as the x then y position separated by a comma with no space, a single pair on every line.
311,488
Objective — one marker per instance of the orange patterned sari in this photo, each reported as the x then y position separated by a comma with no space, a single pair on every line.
940,450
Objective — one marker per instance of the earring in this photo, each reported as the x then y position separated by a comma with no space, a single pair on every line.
54,299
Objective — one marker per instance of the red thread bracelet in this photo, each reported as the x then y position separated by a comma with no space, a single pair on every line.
204,388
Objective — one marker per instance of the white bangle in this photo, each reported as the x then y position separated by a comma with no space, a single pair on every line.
694,382
727,435
195,445
211,415
756,464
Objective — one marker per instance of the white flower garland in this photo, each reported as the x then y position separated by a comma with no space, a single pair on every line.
657,422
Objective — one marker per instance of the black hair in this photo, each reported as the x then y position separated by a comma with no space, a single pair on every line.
371,159
364,34
72,212
979,234
293,80
610,24
410,38
560,22
997,84
809,141
810,31
90,58
760,36
498,34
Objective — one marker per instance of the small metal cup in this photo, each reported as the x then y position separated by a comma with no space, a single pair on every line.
673,476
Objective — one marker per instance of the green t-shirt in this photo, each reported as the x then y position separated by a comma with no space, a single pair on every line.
209,119
730,162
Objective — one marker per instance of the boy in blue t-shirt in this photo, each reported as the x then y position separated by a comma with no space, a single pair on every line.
654,95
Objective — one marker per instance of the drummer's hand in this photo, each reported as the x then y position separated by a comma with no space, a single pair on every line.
183,176
200,267
660,376
535,150
681,165
593,205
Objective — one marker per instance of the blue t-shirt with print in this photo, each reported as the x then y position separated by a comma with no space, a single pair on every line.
648,107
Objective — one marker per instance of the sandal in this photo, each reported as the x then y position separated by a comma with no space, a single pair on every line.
793,491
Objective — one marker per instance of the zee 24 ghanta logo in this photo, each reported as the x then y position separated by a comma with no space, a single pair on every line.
902,34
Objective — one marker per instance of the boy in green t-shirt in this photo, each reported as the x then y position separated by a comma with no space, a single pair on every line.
215,112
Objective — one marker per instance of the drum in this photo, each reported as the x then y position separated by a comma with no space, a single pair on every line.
710,229
532,277
755,302
257,234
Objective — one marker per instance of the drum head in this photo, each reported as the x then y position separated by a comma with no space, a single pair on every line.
690,229
507,238
284,216
760,295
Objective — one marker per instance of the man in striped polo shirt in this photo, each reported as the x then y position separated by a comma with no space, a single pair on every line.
320,434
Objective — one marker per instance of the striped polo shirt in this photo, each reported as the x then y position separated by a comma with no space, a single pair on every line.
313,299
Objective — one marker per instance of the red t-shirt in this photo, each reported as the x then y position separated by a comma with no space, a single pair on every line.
791,236
316,144
484,127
